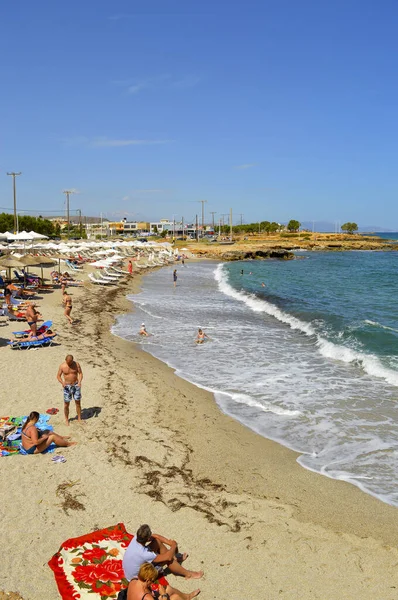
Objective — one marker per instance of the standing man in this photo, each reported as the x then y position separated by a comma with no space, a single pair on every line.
32,316
70,376
130,267
175,277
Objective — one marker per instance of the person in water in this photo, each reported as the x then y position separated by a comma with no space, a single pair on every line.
175,277
35,441
140,588
201,337
143,330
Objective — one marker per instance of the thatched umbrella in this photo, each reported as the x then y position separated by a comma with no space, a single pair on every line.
10,262
38,261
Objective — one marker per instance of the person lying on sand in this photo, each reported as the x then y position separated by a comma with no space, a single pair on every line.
140,588
35,441
201,337
154,548
143,330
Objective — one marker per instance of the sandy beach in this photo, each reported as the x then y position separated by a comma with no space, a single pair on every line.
154,448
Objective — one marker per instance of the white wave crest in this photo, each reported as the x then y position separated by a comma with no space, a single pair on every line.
264,407
370,363
376,324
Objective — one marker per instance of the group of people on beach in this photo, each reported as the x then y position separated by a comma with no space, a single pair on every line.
148,558
35,440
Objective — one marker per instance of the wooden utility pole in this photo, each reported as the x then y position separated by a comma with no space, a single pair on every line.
212,214
67,192
197,230
14,175
230,224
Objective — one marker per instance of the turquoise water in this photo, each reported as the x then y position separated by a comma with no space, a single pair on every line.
310,359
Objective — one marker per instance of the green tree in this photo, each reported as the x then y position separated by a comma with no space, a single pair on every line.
349,227
155,229
293,225
163,233
273,227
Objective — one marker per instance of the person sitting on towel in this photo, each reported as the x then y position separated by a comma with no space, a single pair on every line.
140,588
154,548
35,441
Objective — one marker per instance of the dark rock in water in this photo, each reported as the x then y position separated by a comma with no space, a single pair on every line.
257,254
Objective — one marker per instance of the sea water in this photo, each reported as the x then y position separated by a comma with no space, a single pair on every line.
309,359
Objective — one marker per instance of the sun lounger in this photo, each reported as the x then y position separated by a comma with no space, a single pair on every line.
99,281
113,274
42,329
27,344
11,316
73,266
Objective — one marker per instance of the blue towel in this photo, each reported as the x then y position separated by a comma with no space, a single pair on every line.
22,450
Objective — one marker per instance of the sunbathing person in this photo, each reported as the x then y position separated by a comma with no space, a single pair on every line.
154,548
32,338
140,588
35,441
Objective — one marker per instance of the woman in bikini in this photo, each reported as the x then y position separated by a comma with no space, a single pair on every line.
34,441
67,302
141,588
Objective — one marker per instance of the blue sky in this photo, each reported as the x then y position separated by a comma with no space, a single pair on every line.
282,109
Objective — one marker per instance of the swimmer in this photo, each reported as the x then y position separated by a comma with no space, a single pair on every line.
201,337
263,285
143,330
241,271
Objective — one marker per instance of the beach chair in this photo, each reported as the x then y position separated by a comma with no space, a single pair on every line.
72,266
114,274
21,344
42,329
12,317
99,281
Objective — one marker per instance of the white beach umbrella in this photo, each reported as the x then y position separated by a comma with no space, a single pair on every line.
38,236
23,236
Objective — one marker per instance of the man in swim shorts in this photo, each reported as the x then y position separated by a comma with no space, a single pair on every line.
32,316
70,376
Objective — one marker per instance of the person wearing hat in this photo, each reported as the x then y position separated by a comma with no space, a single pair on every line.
143,330
161,552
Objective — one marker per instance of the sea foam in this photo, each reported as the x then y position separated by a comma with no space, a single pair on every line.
370,363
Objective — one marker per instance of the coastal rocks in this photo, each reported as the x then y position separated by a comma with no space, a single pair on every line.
256,254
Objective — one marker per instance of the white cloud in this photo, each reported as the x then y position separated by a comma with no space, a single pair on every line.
245,166
153,191
160,82
104,142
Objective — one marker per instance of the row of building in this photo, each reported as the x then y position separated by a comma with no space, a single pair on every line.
135,228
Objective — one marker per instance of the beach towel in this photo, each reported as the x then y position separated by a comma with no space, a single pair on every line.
89,567
12,444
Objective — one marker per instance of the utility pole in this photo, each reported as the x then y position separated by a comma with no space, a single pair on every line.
212,214
182,225
67,193
241,218
230,224
14,175
196,230
80,222
222,217
203,202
